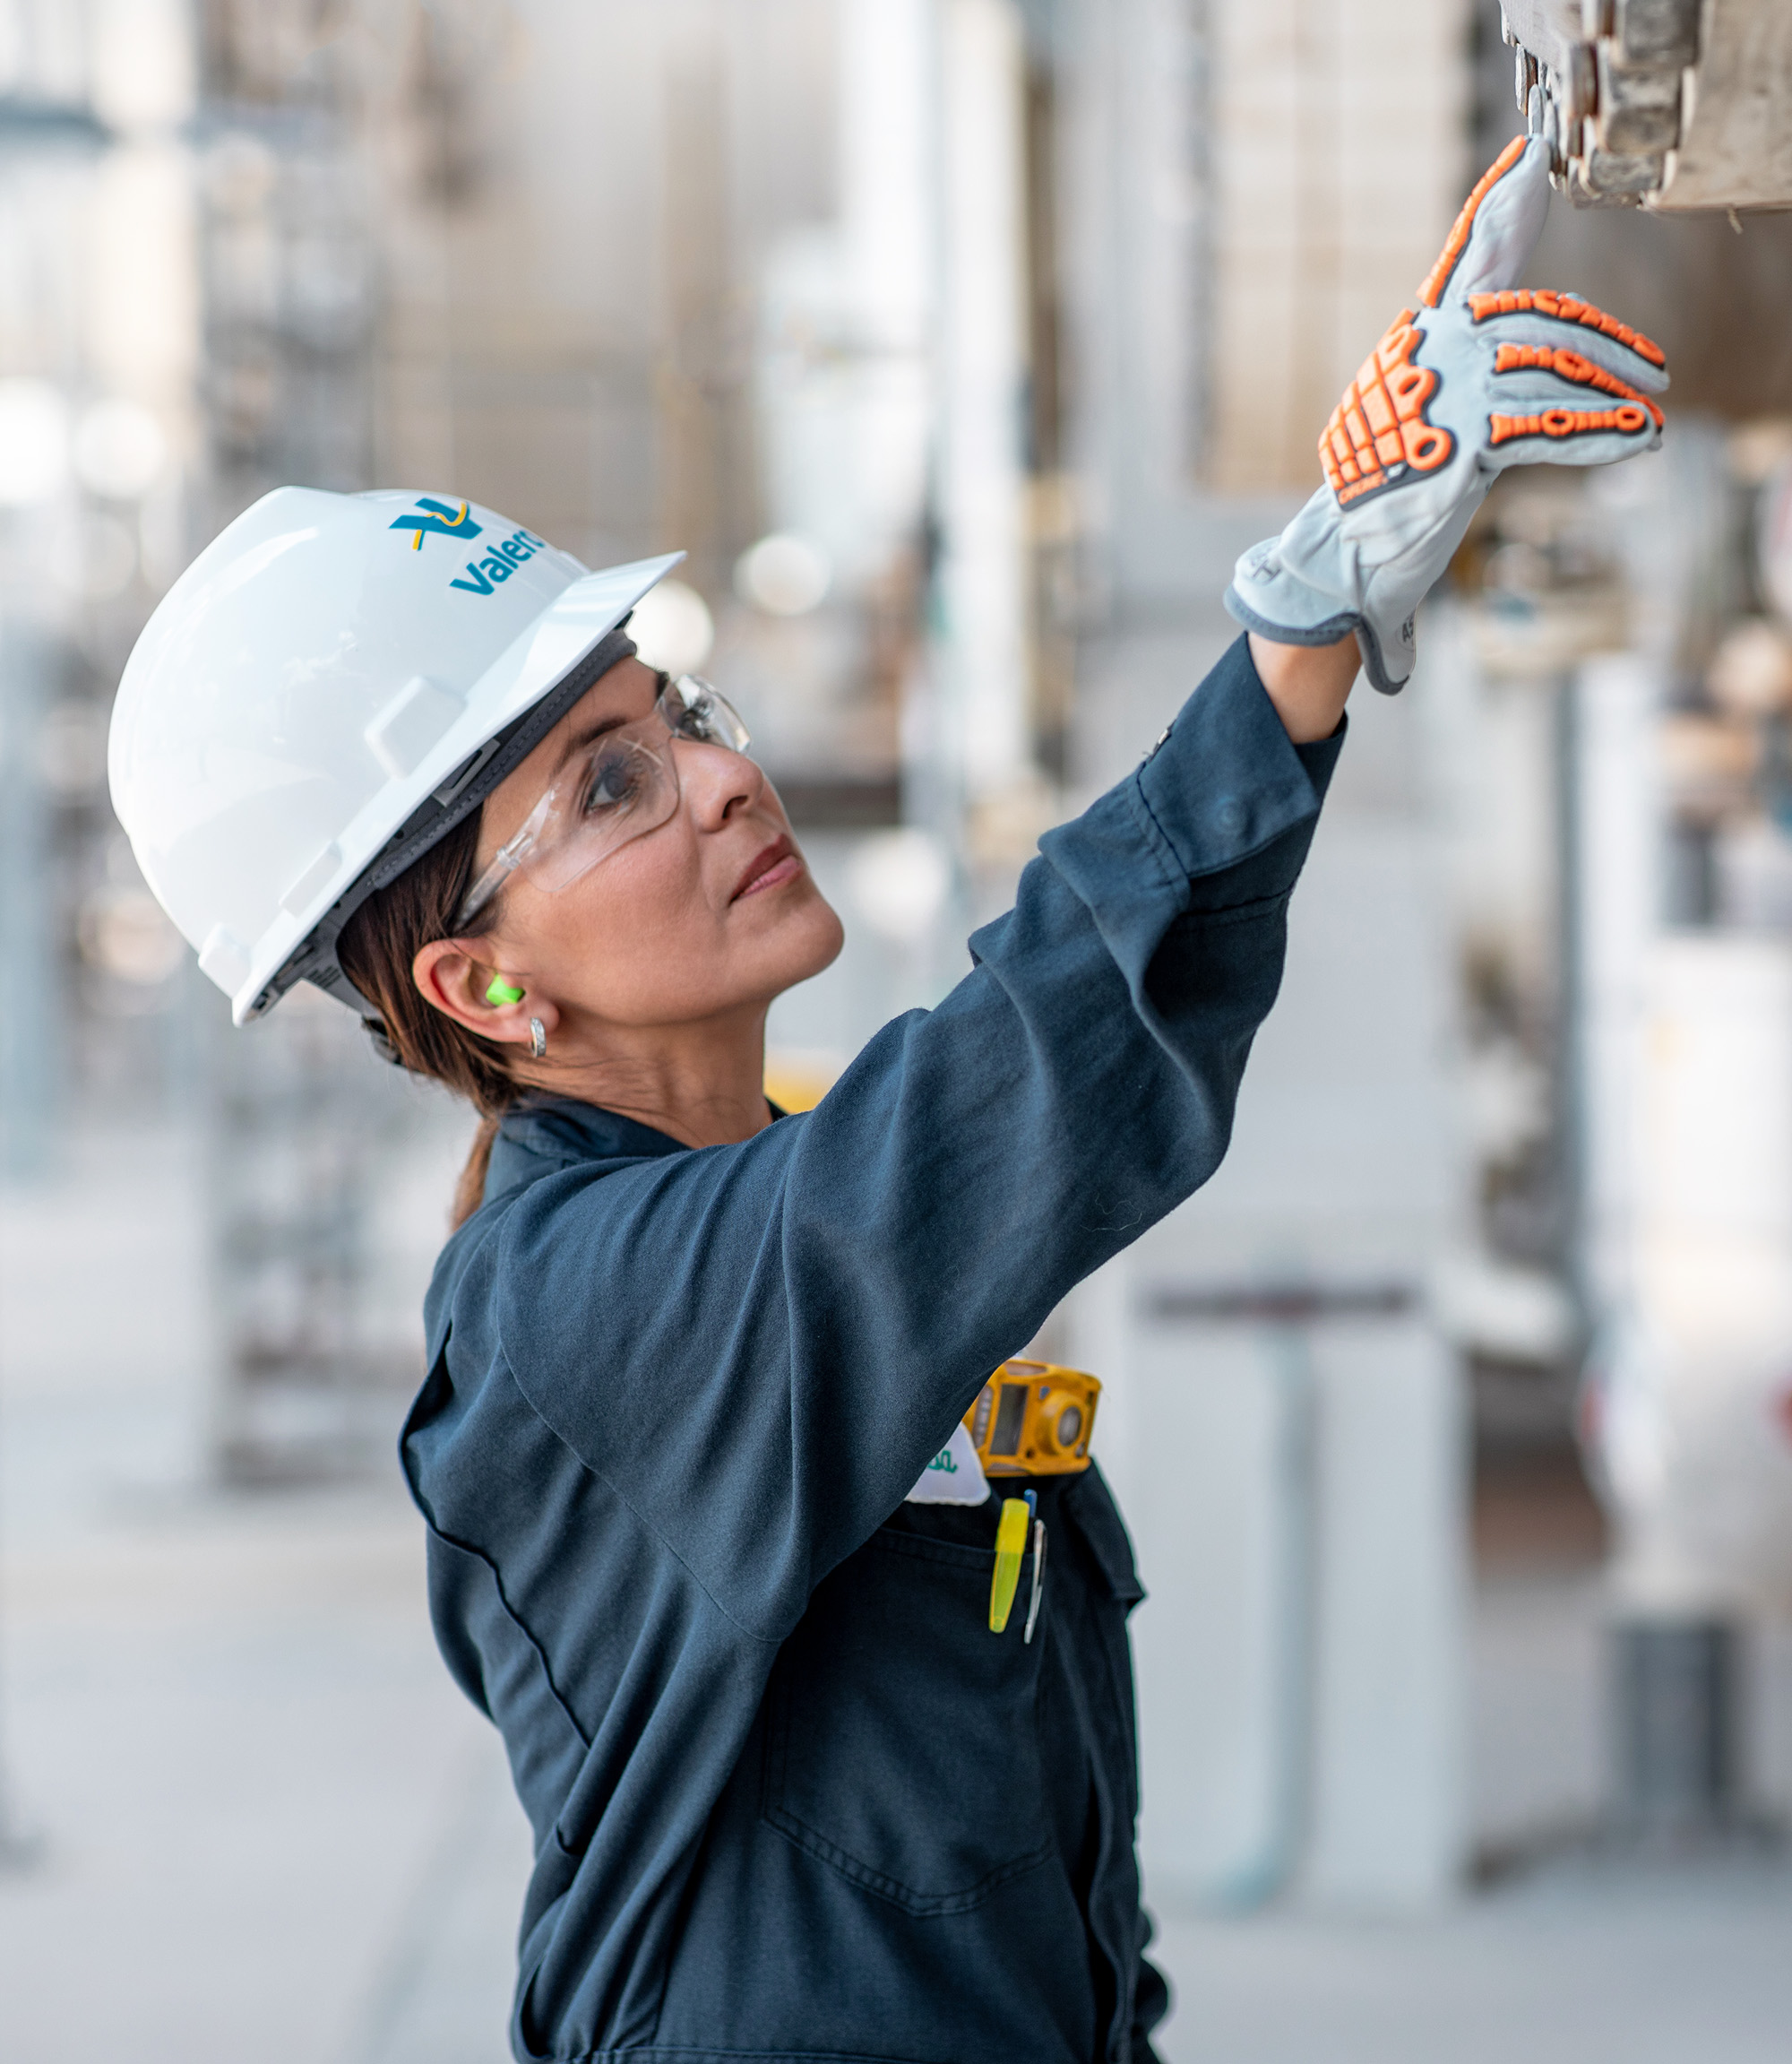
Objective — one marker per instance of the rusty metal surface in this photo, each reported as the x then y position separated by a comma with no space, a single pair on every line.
1674,105
1736,145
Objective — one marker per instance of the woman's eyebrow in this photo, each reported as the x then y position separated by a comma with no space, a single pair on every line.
587,734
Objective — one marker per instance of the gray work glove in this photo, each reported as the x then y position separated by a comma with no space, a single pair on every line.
1481,377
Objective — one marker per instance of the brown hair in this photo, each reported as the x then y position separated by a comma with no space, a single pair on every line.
378,945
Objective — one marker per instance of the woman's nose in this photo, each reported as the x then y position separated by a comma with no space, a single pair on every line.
718,783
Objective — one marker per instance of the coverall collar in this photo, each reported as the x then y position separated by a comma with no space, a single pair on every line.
545,1134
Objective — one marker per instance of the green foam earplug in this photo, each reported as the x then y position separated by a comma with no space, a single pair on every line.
500,992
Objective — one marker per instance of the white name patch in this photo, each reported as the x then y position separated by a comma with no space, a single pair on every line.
953,1477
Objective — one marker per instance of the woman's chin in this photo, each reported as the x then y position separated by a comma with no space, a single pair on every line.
808,940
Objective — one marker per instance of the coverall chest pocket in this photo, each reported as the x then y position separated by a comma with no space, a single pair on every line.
903,1744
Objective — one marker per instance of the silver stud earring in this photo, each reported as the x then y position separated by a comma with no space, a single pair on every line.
537,1039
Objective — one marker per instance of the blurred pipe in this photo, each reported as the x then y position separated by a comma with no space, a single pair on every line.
1272,1869
886,64
1677,1694
1571,1007
19,1847
980,581
30,1030
1619,891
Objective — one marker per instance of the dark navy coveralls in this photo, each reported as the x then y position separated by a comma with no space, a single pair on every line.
791,1798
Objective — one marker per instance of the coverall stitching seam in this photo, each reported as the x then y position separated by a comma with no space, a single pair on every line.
640,1518
811,1841
924,1905
555,1163
1196,918
1158,843
1300,814
952,1554
478,1554
515,1618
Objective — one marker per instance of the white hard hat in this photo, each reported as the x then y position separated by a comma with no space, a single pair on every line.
333,684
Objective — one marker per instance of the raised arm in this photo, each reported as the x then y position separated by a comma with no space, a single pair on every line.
760,1346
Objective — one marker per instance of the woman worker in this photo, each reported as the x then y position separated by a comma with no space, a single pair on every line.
792,1796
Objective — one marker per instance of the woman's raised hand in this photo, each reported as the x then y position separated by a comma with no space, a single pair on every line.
1481,375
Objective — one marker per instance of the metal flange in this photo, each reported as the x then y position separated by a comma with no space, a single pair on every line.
1670,103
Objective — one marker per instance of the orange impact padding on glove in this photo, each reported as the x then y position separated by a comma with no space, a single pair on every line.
1379,428
1631,416
1457,241
1484,375
1569,366
1565,309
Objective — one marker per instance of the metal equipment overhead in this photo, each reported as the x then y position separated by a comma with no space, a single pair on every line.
1674,105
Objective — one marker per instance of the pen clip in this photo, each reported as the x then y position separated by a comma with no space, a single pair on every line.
1010,1548
1038,1578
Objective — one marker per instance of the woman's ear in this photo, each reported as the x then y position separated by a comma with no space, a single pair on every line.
488,1000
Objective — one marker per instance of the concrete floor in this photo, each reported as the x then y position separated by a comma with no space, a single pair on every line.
1573,1965
267,1824
271,1828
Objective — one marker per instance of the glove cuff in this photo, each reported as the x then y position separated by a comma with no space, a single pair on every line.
1309,629
1282,607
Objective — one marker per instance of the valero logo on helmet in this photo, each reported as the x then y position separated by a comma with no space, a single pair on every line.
448,521
443,519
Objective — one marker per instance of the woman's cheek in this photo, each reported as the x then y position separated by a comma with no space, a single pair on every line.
654,952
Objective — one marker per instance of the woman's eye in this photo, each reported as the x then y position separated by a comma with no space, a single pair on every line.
616,780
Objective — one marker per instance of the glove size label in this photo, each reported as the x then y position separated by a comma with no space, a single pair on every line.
1379,433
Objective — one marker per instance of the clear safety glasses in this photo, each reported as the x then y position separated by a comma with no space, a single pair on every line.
620,786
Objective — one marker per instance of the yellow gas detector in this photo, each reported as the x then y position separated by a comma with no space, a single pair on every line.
1034,1419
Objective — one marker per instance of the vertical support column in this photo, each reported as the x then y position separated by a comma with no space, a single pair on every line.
980,484
27,956
1289,1456
20,1846
1388,1821
1617,875
1687,1389
1220,1492
27,951
700,489
886,53
1337,164
1676,1689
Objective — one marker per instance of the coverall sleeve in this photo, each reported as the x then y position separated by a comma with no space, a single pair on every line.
759,1346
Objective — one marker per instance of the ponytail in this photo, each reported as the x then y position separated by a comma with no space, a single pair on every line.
378,949
469,1190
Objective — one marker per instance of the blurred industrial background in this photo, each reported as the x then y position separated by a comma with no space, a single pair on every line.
963,344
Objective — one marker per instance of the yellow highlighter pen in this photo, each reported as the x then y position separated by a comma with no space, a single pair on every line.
1011,1545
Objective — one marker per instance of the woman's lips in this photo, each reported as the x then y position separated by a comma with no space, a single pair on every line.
777,865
